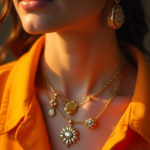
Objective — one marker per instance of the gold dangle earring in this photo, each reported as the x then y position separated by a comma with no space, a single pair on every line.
116,17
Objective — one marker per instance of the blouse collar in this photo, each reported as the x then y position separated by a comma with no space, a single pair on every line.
19,91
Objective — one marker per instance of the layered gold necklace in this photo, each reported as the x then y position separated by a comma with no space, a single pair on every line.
71,106
69,135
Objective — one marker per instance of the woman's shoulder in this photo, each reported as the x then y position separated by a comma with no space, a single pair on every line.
4,74
5,71
7,67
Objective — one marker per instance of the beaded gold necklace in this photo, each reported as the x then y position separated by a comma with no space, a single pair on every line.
69,135
71,106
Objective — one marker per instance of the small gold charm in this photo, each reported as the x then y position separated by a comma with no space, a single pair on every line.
53,104
88,98
90,123
70,108
51,112
69,135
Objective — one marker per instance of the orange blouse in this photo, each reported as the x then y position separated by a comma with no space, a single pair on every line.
22,125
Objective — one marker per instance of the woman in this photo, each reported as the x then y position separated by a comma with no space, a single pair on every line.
78,76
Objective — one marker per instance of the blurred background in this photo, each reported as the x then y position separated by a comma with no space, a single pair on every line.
5,30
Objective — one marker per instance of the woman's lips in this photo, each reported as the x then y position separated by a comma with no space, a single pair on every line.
33,4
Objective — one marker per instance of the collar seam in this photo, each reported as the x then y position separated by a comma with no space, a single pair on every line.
138,129
6,127
6,96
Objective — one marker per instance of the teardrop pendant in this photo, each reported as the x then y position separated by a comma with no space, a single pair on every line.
51,112
53,104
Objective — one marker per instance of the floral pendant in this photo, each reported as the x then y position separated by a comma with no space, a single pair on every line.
70,108
69,135
90,123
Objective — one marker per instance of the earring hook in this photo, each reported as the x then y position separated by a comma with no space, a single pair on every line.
117,1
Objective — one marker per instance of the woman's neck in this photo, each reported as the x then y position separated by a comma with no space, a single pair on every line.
81,63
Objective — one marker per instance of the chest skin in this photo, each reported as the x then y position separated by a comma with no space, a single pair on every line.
88,138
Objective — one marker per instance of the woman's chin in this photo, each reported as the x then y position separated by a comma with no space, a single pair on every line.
30,29
35,28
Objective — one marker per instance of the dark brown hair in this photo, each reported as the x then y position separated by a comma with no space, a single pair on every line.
135,27
133,30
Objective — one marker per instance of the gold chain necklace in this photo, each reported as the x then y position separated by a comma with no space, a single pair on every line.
70,105
69,135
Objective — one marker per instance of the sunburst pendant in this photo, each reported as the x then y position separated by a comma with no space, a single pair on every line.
69,135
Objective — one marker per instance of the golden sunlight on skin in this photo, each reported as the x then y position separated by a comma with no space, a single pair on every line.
80,61
88,105
59,15
81,54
